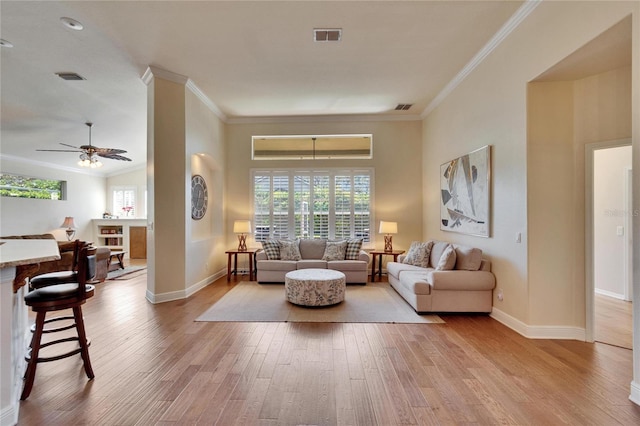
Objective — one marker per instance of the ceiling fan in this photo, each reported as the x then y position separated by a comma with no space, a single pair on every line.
89,153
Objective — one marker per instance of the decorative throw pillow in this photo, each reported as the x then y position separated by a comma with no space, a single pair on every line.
447,260
290,250
271,249
418,254
468,258
335,250
354,245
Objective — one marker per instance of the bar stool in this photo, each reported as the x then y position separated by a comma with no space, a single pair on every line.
61,277
54,298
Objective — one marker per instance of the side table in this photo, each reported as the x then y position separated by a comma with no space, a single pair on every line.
234,253
378,254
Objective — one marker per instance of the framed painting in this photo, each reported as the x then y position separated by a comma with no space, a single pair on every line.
465,185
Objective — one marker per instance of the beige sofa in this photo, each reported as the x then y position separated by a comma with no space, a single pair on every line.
467,285
311,252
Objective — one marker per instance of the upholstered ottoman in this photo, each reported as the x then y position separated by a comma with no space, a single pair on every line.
315,287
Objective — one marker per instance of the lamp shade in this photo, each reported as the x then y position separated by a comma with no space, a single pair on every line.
68,223
242,227
388,227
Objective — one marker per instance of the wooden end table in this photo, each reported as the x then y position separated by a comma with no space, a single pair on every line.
234,254
378,254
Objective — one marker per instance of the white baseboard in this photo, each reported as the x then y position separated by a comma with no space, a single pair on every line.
183,294
635,393
610,294
539,331
9,416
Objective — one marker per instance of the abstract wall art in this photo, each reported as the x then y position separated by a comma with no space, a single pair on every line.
465,185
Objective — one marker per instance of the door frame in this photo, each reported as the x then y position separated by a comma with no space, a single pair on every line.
589,222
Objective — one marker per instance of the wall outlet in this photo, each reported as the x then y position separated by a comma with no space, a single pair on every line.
500,295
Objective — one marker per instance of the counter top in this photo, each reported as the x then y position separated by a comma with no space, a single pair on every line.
24,252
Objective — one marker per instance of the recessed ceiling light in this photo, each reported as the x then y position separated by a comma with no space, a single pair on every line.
5,43
71,23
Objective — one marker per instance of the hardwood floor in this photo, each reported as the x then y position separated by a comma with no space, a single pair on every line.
613,321
155,365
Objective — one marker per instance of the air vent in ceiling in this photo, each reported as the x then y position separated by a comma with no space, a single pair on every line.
70,76
327,34
403,107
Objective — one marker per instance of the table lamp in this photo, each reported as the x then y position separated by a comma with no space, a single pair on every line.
68,223
388,228
242,227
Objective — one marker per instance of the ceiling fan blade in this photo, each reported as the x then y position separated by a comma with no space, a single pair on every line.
114,157
108,150
60,150
71,146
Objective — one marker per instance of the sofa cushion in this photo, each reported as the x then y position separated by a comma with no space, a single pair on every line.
271,249
354,245
468,258
312,263
436,252
289,250
276,265
416,281
347,265
448,259
335,250
396,268
419,254
312,248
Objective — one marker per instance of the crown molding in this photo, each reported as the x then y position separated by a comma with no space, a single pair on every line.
153,71
509,26
321,118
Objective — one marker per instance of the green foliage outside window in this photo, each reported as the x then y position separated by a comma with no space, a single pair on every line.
29,187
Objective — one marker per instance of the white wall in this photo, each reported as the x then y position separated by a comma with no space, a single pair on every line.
86,195
135,178
609,213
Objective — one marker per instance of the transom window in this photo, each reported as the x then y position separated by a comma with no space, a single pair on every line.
331,204
30,187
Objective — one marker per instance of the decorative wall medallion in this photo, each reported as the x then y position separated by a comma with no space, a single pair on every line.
199,197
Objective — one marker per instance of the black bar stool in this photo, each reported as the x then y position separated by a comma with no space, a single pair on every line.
57,297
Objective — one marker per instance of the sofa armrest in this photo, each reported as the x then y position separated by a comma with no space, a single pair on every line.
364,256
461,280
261,255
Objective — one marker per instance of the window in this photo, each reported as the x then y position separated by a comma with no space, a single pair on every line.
124,201
312,147
29,187
312,204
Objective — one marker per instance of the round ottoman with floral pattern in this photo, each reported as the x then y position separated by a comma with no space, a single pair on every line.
315,287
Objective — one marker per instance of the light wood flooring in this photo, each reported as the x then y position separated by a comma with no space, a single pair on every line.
613,321
155,365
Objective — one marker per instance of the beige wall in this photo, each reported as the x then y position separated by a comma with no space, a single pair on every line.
205,149
463,122
396,158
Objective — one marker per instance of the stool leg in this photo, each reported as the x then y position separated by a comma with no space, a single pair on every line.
82,338
30,374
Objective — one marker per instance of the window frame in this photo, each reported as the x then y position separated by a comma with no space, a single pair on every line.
331,173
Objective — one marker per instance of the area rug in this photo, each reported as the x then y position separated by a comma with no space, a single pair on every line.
125,274
374,302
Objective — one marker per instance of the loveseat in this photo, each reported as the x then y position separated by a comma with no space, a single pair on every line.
436,276
281,256
65,263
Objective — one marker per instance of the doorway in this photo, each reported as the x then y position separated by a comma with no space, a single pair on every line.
609,243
